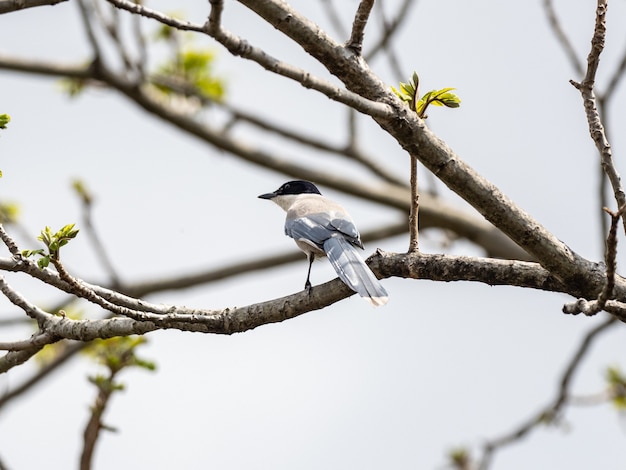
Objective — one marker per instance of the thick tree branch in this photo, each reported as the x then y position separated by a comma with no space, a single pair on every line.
412,134
241,48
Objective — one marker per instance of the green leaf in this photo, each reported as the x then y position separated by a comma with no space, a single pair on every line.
617,385
43,262
9,213
4,120
29,253
83,192
441,97
408,91
194,68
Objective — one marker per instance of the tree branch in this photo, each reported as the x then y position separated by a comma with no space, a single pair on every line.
355,43
7,6
586,88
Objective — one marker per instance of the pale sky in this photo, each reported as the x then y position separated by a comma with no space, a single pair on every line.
443,365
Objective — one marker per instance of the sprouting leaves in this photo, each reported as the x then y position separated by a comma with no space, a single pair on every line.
441,97
409,93
53,242
460,458
617,386
189,69
4,120
119,352
9,212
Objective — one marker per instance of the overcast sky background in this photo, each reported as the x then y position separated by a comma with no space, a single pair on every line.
441,366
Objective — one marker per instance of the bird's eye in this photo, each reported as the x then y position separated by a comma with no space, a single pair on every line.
286,186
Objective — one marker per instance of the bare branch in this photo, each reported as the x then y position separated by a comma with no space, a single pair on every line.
16,358
37,341
7,6
15,298
586,88
9,242
414,214
591,308
355,43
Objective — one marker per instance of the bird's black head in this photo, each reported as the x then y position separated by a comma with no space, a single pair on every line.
293,187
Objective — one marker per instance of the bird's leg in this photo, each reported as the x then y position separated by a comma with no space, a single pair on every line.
307,284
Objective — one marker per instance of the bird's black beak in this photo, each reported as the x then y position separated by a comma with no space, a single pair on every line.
267,196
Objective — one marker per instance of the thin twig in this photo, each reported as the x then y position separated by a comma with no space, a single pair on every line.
586,88
414,215
239,47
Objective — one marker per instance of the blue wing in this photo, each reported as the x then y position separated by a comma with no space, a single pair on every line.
321,226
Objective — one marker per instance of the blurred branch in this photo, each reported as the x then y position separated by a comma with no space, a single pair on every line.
615,79
551,412
562,38
7,6
86,199
239,47
70,351
333,17
351,150
116,355
434,212
390,28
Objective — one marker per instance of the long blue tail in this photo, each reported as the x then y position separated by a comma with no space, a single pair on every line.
353,271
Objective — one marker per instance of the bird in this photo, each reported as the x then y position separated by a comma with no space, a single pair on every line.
321,227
